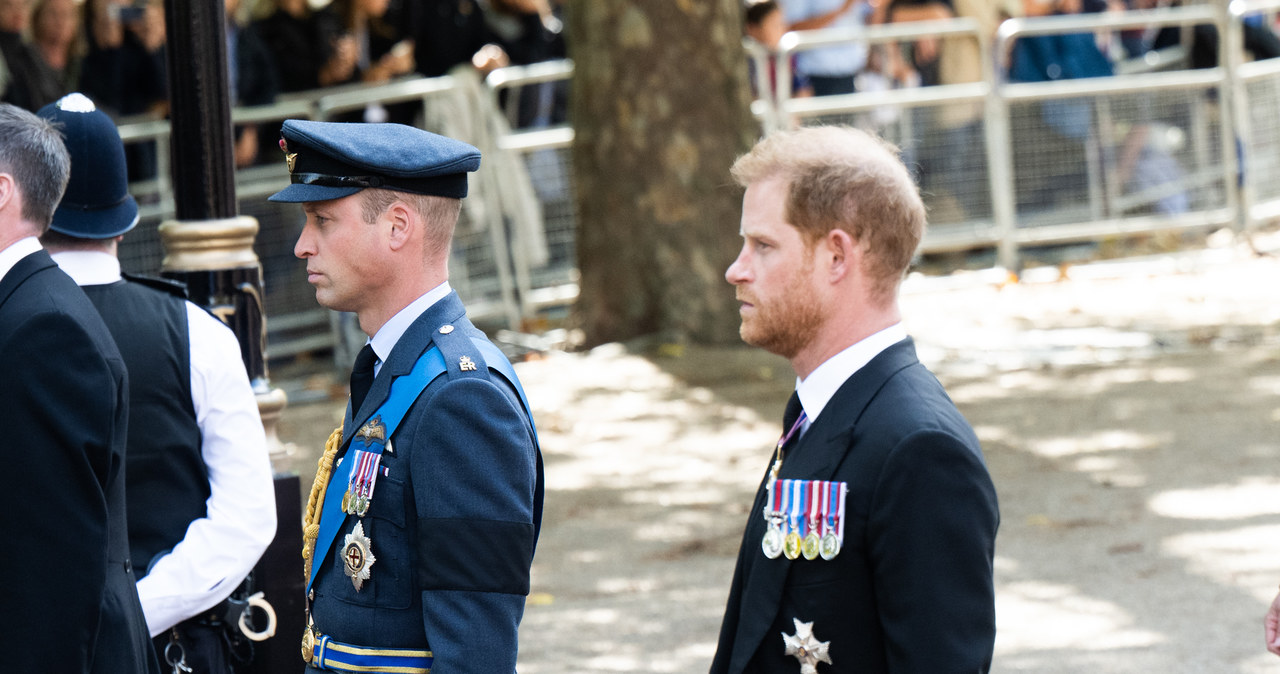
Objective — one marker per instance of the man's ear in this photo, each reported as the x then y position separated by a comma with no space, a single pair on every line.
8,189
403,223
842,254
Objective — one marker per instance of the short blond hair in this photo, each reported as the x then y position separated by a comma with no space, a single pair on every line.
844,178
439,213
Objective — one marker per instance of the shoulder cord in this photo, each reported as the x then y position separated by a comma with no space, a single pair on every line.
311,520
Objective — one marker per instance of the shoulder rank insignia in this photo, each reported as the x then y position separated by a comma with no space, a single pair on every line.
372,430
466,364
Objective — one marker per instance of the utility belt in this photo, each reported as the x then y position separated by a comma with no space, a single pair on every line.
219,640
335,656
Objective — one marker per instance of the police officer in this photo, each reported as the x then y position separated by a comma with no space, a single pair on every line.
425,512
200,497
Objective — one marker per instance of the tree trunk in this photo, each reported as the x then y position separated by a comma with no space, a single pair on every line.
661,108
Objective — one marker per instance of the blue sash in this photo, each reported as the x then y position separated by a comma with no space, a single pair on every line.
404,391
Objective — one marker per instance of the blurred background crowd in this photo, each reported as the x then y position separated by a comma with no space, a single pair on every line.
114,51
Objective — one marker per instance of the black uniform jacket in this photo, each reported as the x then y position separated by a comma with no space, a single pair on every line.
70,604
911,589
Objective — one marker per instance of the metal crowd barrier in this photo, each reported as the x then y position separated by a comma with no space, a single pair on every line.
991,179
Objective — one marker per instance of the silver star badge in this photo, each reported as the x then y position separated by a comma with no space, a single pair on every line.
804,647
357,556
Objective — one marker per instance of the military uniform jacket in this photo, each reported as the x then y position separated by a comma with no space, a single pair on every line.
911,590
454,517
69,599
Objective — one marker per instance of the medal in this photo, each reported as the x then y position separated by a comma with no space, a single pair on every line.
361,480
357,556
812,544
833,524
772,541
806,648
791,543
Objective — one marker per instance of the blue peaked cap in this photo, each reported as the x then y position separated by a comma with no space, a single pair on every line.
331,160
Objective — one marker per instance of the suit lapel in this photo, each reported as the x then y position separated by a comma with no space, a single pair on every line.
404,356
816,456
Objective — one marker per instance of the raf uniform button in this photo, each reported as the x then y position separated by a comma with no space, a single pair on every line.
446,329
128,566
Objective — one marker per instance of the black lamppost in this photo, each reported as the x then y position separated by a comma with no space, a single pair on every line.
209,246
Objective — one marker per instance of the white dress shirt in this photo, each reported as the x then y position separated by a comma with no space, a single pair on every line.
816,390
220,548
390,333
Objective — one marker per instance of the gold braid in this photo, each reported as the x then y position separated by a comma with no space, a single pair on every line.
311,520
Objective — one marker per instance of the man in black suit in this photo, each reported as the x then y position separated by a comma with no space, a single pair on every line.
69,599
870,545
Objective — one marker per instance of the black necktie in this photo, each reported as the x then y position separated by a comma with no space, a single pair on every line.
361,377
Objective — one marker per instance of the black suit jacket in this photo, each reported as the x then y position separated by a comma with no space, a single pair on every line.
912,589
70,603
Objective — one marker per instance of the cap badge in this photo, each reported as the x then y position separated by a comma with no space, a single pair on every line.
290,158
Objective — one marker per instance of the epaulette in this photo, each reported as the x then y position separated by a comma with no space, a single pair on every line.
168,286
461,356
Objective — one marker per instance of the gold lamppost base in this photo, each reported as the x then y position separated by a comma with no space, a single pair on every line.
215,259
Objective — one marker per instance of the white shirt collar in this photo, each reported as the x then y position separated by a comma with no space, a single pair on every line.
89,267
390,333
816,390
16,251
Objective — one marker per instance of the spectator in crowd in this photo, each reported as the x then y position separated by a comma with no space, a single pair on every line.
30,83
447,33
381,48
251,80
56,35
1260,41
304,56
952,158
1053,167
829,70
1064,126
382,51
765,24
531,31
124,69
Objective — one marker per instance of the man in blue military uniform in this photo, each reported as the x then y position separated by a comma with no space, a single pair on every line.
425,513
